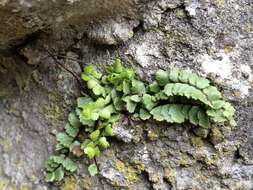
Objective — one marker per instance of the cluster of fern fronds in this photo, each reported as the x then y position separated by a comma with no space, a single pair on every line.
176,96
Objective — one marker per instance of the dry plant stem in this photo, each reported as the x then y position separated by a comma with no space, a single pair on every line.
62,66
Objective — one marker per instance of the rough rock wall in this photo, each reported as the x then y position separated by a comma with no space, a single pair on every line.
212,38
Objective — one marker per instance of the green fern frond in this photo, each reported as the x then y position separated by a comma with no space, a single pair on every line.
176,96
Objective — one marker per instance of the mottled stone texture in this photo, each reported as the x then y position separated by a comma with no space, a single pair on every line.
212,38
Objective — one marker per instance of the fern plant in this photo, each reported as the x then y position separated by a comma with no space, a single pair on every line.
176,96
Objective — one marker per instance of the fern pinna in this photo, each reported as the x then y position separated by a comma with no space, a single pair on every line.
174,97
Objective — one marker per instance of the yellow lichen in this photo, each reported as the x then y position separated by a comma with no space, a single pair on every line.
211,51
216,133
153,177
87,183
227,49
236,93
248,27
6,144
128,172
70,183
219,3
197,141
3,185
181,13
33,178
53,112
169,174
211,160
140,167
24,188
152,135
120,165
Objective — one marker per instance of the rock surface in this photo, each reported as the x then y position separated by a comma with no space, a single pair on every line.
212,38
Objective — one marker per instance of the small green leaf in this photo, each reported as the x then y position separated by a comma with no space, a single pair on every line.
85,144
176,114
144,115
185,111
232,122
108,130
174,74
161,96
103,142
50,177
82,101
217,104
148,101
53,162
94,135
97,151
184,76
154,87
118,103
127,74
58,174
85,121
168,89
58,159
59,147
64,139
114,118
130,105
98,90
107,111
138,87
126,87
90,152
162,77
212,93
135,98
73,120
157,114
71,131
92,83
203,119
90,71
93,170
117,67
202,83
193,115
69,165
193,78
